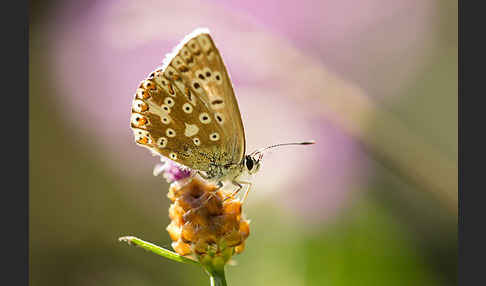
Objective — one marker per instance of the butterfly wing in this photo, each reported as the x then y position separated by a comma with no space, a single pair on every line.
187,110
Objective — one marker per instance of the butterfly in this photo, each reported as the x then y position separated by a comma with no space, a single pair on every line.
186,110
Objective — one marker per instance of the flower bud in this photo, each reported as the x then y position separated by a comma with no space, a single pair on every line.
204,224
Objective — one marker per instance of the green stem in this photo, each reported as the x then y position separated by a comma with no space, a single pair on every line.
217,278
157,249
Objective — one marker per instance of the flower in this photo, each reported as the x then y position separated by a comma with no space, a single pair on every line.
204,224
172,171
207,224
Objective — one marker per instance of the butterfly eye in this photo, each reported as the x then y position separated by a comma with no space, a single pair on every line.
173,156
249,163
204,118
187,107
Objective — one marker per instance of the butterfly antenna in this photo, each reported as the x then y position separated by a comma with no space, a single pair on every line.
260,151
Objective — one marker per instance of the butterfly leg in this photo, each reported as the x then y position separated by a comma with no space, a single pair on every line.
202,175
240,186
246,192
219,185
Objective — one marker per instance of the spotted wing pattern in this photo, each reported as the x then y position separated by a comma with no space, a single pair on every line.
187,111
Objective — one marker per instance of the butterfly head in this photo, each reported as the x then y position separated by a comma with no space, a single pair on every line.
253,163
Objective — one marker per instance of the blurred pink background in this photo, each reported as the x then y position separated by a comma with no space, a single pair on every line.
374,82
101,50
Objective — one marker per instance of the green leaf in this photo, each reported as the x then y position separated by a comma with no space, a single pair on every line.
131,240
